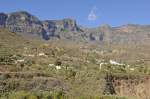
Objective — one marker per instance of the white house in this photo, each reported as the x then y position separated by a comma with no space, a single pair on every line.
58,67
132,69
51,65
42,54
115,63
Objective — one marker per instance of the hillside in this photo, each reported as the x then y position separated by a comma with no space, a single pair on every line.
31,67
59,59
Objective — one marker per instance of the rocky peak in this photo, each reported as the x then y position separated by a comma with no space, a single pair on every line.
23,16
24,22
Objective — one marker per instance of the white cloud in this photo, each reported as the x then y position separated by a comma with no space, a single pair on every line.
92,15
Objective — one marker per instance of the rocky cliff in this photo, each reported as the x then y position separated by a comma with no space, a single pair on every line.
24,22
57,28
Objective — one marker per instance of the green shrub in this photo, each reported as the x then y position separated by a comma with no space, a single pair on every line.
4,76
58,62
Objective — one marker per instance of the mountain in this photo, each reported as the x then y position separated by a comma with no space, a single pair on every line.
127,34
26,23
67,29
71,60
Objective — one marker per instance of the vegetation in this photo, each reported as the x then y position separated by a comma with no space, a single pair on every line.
50,95
62,70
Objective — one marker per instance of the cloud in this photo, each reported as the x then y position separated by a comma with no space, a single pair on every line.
92,15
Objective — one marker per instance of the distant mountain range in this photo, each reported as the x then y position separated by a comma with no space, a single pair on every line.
67,29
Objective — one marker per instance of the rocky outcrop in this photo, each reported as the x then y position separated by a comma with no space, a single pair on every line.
56,28
66,25
3,18
24,22
100,34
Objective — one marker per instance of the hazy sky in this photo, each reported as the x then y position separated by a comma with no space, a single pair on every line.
86,12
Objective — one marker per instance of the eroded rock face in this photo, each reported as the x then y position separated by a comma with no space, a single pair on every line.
55,27
62,29
3,18
67,24
50,27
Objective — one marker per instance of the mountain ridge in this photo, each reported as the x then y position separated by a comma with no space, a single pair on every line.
67,29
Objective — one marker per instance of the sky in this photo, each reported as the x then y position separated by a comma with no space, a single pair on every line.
89,13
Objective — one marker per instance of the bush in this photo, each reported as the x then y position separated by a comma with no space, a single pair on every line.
58,63
4,76
6,59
